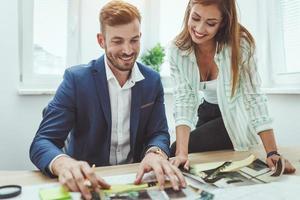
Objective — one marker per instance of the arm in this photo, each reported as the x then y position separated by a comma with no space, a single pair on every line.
58,120
185,102
256,105
268,139
182,142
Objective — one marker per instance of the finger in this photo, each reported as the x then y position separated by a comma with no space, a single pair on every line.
158,171
68,181
79,178
270,164
90,175
172,160
140,174
171,174
289,168
187,165
178,162
179,176
103,183
63,181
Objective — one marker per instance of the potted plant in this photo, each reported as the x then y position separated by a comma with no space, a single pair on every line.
154,57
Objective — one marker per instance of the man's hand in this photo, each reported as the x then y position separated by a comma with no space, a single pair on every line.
181,160
161,167
73,174
272,160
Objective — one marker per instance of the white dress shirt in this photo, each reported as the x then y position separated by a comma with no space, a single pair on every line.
120,104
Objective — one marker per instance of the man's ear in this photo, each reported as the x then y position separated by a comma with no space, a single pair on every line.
101,40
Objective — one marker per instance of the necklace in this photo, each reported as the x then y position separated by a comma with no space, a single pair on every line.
204,86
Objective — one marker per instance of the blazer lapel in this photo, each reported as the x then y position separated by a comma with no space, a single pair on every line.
135,112
102,89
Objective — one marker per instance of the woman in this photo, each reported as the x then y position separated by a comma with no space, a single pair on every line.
215,54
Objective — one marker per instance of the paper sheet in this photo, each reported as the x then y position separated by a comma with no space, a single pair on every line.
288,188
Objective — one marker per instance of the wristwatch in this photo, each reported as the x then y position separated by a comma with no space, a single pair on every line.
271,153
158,151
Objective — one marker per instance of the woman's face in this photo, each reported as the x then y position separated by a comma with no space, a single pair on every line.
204,23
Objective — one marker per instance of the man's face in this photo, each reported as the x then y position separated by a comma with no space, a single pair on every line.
121,44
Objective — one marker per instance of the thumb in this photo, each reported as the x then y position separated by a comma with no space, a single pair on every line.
139,175
187,165
270,164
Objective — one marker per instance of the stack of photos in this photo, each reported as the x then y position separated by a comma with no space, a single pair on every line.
151,191
238,173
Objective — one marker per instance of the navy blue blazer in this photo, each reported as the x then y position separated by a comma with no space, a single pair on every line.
81,107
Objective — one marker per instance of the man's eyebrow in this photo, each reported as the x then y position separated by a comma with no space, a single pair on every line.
117,38
136,37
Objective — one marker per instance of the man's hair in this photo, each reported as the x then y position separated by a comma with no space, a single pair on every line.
117,12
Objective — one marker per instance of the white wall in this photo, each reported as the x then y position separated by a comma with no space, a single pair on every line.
21,115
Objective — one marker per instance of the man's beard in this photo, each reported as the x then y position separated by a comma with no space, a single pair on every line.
122,67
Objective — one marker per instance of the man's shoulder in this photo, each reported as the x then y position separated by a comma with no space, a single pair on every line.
148,72
82,69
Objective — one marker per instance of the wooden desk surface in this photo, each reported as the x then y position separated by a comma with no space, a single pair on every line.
35,177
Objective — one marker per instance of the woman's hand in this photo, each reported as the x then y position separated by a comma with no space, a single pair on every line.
181,160
272,160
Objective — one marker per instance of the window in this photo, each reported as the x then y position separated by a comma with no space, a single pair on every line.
55,34
49,41
285,42
290,12
50,36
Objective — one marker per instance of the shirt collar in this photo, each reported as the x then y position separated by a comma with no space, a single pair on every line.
135,75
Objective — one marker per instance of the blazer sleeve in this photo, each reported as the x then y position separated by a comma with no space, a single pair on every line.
157,126
58,120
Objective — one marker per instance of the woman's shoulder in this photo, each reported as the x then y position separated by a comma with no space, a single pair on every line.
247,47
175,51
173,47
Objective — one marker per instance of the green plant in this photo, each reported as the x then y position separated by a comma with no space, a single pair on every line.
154,57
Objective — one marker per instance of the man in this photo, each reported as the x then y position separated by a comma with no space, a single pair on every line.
113,109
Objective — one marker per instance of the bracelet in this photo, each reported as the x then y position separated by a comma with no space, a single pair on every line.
158,151
271,153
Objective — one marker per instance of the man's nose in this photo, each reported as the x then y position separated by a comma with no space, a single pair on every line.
127,49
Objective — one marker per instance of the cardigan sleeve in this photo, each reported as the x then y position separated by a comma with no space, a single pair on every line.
185,98
255,100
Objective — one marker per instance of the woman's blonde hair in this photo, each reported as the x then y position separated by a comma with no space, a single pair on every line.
230,33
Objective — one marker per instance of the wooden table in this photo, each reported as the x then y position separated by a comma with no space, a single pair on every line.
35,177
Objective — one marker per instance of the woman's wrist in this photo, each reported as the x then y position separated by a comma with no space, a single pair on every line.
271,153
182,152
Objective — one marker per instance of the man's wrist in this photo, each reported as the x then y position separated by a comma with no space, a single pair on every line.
60,163
50,166
182,152
158,151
